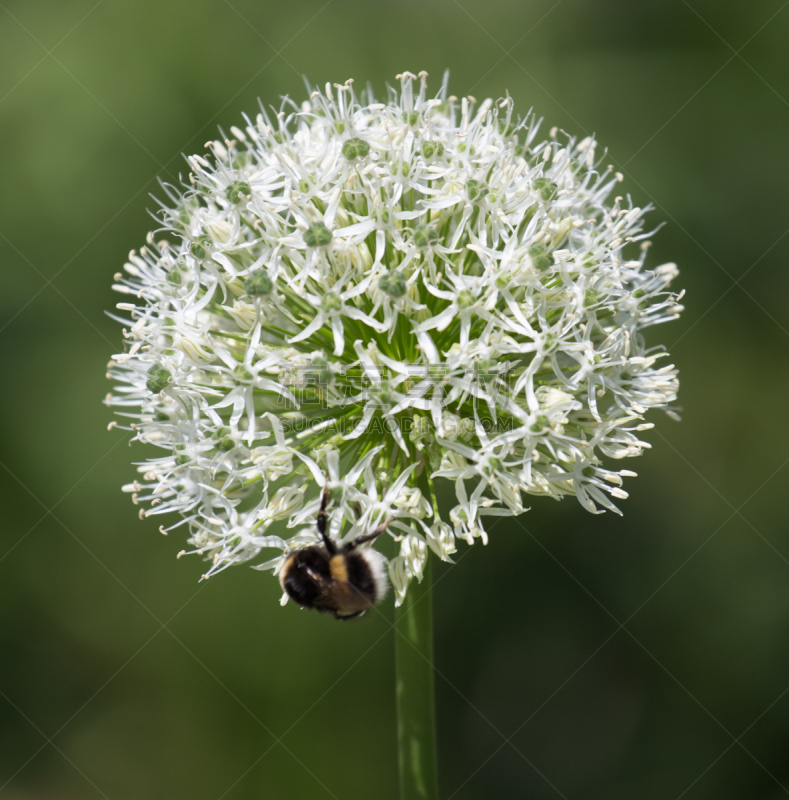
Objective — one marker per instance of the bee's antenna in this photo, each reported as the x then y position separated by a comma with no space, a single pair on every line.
367,537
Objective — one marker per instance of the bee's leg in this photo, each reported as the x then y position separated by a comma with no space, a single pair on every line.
331,548
366,537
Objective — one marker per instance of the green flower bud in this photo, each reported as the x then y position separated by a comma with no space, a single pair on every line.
540,423
506,128
355,148
393,283
225,444
476,190
543,262
424,235
590,297
331,302
174,277
317,235
182,220
465,299
243,374
384,393
588,472
258,283
199,247
158,378
400,168
339,127
318,373
547,188
237,192
304,186
430,149
541,257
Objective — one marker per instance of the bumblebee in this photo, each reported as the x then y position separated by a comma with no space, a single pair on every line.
343,581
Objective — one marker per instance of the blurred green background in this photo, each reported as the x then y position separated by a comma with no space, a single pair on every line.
577,656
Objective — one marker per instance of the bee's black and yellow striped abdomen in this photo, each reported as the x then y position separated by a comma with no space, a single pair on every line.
341,584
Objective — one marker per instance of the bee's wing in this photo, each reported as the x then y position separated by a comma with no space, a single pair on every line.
341,598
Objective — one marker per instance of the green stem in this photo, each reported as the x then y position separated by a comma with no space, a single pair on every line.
416,716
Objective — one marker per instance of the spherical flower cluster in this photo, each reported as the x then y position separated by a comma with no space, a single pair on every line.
378,298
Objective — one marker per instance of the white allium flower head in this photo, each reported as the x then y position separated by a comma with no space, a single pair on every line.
380,297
